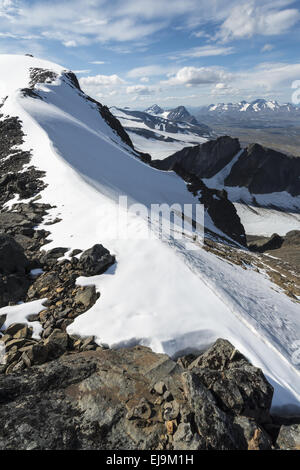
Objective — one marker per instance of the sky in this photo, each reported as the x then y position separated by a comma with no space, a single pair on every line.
171,52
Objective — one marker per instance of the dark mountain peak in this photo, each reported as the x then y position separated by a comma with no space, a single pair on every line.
154,109
181,114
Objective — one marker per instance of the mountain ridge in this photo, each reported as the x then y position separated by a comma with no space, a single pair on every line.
86,167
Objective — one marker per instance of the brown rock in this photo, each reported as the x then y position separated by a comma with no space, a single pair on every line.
14,328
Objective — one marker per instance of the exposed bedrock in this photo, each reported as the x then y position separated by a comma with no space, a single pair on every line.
136,399
205,160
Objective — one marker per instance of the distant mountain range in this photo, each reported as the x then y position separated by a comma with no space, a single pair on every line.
259,106
162,133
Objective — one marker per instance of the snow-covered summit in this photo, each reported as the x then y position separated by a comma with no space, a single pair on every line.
154,109
257,106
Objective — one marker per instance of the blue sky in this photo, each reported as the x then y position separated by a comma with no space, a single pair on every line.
171,52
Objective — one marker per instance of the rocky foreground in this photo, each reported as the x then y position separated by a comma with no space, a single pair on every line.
136,399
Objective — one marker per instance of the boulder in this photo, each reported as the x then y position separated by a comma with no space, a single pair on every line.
86,297
254,436
105,400
14,266
289,437
12,257
36,354
18,330
238,387
96,260
56,343
214,426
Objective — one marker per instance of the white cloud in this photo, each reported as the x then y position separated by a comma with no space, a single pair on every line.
270,76
102,80
250,18
221,89
204,51
149,70
85,22
81,71
192,76
70,43
98,62
140,90
144,79
267,48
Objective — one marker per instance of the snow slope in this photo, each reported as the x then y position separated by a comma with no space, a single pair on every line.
162,143
159,293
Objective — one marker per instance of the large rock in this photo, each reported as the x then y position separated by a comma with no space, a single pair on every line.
239,387
289,437
12,257
219,210
56,343
96,260
116,399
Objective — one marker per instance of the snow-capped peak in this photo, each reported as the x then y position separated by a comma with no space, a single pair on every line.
154,109
256,106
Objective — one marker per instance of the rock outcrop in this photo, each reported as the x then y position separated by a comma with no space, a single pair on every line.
136,399
219,211
264,170
202,161
14,267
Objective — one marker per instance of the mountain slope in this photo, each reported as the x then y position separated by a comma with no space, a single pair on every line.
156,133
258,107
262,183
159,293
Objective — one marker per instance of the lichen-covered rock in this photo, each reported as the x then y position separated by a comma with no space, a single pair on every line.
115,399
238,387
289,437
96,260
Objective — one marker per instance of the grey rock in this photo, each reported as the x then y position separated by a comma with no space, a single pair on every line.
12,257
56,343
104,400
171,410
238,387
87,297
254,437
289,437
185,439
96,260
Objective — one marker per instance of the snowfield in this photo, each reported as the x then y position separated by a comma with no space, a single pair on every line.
159,293
157,148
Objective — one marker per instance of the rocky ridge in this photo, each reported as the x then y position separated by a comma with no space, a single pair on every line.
259,169
136,399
